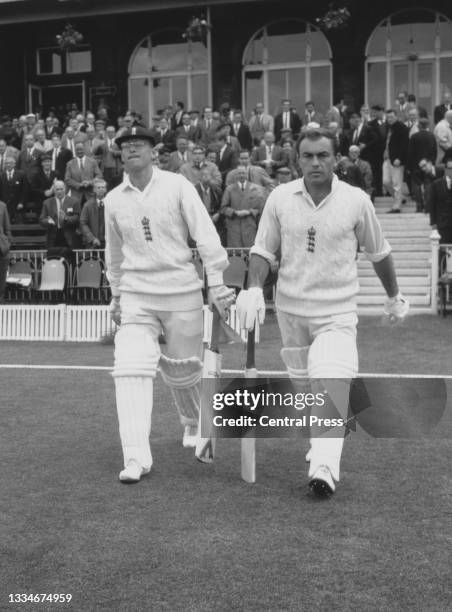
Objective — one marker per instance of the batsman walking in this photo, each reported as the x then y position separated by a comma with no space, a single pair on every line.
155,289
317,223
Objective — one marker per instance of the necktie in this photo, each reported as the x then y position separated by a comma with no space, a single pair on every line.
58,212
29,153
286,120
355,136
10,176
208,123
242,186
81,163
101,221
1,163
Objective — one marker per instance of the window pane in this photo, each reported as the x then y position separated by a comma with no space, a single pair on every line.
179,90
400,79
445,29
377,45
255,51
376,83
254,90
297,92
78,61
321,87
319,46
140,62
413,38
169,51
425,93
445,76
198,56
160,92
199,92
49,61
276,90
139,98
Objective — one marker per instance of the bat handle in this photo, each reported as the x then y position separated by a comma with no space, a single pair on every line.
250,349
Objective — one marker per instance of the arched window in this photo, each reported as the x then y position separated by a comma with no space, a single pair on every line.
287,59
410,51
165,68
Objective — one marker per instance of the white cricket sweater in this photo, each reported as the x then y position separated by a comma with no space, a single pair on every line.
146,241
318,271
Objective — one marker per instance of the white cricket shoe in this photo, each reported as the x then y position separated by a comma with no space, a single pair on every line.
190,436
133,472
322,483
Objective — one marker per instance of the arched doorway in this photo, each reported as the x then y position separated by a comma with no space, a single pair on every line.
410,51
165,68
287,59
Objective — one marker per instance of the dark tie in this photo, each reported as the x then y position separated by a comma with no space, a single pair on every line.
101,221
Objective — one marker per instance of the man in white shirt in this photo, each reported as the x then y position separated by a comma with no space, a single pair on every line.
156,288
316,224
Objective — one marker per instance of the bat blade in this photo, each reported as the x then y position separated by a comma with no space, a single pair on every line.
248,441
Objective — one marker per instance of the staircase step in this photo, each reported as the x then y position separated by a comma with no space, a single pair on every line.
406,281
378,299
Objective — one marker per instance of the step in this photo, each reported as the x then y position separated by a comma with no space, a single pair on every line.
407,281
415,300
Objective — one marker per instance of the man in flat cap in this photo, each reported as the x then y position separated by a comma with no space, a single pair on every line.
155,289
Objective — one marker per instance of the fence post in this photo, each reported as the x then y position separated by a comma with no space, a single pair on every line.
434,243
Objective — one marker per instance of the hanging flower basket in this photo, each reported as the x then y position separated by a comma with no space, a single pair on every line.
69,38
334,18
197,30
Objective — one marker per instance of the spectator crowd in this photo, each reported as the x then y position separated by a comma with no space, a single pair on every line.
58,169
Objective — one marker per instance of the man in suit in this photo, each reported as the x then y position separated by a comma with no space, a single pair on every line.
269,156
14,190
336,114
60,157
311,115
192,169
242,203
80,174
362,136
92,217
288,119
241,131
355,171
6,151
260,123
443,135
192,133
226,157
211,196
110,158
179,157
68,140
429,174
395,157
441,109
422,145
60,216
254,174
401,107
43,181
41,143
375,152
176,119
29,158
209,125
441,205
162,134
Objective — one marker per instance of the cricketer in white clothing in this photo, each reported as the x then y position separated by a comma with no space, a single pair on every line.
316,223
155,288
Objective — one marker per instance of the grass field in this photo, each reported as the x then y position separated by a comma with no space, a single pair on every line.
192,537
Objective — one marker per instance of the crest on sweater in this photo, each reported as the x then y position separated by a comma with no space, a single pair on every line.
311,240
145,222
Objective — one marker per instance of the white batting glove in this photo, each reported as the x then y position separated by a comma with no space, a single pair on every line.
250,307
396,308
222,297
115,310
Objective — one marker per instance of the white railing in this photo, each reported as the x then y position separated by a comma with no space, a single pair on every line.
72,323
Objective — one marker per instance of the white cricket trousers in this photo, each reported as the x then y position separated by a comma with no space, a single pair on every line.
393,182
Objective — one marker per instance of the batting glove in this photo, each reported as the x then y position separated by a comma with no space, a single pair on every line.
115,310
396,308
222,298
250,307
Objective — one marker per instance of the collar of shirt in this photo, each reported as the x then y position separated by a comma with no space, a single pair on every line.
127,185
300,187
205,189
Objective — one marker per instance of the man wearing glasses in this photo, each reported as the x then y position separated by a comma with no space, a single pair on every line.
155,289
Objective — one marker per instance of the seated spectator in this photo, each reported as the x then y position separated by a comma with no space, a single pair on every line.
41,143
190,132
92,218
211,196
268,156
164,154
225,129
242,204
192,169
179,157
60,216
211,155
42,183
428,174
14,190
355,171
163,134
290,154
254,174
6,151
283,175
80,174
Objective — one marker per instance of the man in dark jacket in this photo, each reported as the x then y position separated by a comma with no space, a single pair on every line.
422,145
441,205
395,158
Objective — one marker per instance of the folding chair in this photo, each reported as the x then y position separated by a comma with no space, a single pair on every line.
19,282
53,278
88,280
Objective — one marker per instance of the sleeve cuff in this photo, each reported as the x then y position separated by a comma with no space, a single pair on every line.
376,257
256,250
214,279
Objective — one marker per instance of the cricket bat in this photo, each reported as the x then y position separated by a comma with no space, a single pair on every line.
248,441
205,447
